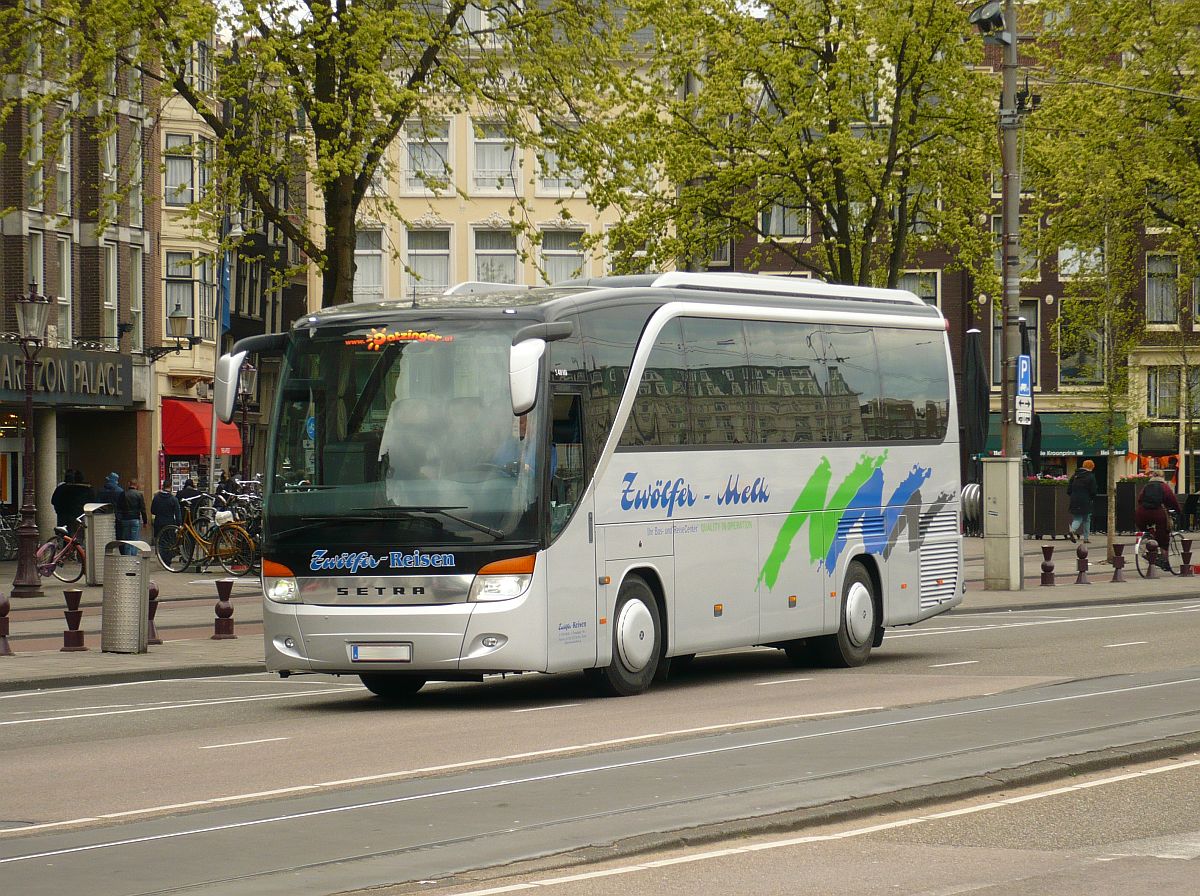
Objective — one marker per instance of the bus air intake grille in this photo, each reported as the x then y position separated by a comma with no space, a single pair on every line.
867,528
939,574
942,523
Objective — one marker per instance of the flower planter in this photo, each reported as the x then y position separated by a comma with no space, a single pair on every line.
1046,510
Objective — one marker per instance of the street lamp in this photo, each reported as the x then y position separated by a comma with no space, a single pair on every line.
177,324
248,380
33,312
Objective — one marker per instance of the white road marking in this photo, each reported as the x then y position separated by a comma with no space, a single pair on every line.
245,743
540,708
763,684
192,704
1127,644
130,684
965,629
615,766
960,663
784,843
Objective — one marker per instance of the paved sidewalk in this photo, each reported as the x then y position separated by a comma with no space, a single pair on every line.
186,615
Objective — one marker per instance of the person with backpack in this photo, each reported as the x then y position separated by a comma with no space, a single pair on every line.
1081,491
1153,502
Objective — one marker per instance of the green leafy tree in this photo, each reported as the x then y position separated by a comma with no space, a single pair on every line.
316,92
870,126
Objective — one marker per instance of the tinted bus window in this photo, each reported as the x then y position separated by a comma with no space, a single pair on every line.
852,380
660,412
916,387
609,338
787,375
718,382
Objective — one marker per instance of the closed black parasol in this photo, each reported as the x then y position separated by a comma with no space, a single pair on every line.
975,405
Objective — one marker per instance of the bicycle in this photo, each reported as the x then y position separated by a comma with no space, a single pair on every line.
63,556
1141,553
8,537
227,544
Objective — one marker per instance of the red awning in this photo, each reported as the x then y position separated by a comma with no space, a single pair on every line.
186,426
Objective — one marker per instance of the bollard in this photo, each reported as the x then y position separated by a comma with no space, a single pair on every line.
73,637
223,627
1118,562
1185,557
1081,563
151,632
1047,564
1151,558
5,606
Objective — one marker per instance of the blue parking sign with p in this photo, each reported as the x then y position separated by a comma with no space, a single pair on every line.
1024,376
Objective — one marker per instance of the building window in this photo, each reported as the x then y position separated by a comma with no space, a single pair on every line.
62,172
368,266
108,174
429,261
208,299
1193,381
495,256
722,254
428,164
200,67
1081,355
554,176
1162,289
179,289
495,159
1075,262
65,302
922,284
1162,392
37,260
136,199
562,254
784,222
1029,312
136,297
180,184
37,159
109,312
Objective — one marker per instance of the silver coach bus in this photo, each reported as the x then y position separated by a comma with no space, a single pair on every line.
607,475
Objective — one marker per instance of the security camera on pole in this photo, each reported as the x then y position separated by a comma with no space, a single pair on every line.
1002,522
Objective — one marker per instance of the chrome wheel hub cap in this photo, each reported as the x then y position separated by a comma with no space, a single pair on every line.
860,614
635,635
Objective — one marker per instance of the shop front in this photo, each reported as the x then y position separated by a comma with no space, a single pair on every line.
187,442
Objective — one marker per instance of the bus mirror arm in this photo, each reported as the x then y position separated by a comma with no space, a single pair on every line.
523,364
547,332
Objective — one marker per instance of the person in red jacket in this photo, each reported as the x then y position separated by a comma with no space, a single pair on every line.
1153,502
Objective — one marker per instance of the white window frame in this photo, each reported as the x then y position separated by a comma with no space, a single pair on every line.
922,277
427,150
422,259
1072,261
37,158
37,260
555,255
553,180
136,175
1100,342
178,271
109,170
769,232
369,255
109,301
722,254
66,329
480,255
136,296
1169,283
1026,303
1162,387
488,135
62,185
208,305
179,193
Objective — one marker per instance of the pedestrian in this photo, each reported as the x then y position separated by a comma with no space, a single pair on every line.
186,492
1153,502
111,491
131,515
164,509
60,501
79,496
1081,491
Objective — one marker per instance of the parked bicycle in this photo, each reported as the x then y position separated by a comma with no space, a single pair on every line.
8,537
203,540
1174,548
63,556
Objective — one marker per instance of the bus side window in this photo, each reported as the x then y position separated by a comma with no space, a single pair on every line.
566,459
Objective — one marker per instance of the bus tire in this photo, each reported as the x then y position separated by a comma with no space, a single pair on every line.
858,618
636,641
798,652
391,687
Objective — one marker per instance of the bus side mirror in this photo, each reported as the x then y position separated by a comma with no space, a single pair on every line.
523,361
225,384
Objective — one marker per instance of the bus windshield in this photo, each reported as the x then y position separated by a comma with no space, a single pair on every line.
403,433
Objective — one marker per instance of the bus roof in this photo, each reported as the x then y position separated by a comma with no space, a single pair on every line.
568,295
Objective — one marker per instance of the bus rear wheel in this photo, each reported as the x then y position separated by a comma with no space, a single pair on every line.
391,687
858,617
636,641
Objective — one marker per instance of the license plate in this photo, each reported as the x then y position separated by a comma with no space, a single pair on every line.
381,653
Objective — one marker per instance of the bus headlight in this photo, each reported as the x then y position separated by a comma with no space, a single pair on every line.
503,580
282,591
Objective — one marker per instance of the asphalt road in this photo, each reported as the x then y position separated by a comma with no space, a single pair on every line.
225,779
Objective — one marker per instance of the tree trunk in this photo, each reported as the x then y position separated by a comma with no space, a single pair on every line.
341,233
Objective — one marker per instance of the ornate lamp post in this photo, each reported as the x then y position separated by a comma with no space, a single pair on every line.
33,311
246,385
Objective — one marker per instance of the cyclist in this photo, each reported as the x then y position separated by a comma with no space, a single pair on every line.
1153,502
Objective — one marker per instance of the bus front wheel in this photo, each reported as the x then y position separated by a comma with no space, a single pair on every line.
858,617
391,687
636,641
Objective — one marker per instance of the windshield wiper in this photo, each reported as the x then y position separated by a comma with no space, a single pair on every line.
377,513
